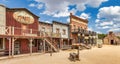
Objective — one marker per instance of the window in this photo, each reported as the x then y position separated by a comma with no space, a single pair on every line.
57,30
64,32
74,27
1,43
43,28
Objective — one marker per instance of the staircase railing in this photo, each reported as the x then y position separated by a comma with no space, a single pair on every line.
49,41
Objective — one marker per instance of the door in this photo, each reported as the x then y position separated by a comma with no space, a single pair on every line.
17,47
112,42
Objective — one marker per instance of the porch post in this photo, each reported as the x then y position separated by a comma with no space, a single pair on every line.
61,43
31,46
13,46
9,47
68,41
44,44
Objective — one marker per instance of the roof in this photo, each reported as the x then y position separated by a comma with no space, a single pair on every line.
22,9
45,23
60,23
73,16
2,5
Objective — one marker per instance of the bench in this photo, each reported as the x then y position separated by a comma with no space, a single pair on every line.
4,52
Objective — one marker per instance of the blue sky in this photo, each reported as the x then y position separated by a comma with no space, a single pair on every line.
103,15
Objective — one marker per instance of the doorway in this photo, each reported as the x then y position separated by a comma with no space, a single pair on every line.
112,42
17,47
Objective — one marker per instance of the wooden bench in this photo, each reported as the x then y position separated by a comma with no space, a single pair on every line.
4,52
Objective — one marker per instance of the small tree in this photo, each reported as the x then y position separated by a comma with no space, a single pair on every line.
101,36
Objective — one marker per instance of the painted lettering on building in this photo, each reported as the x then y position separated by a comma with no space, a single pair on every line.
23,17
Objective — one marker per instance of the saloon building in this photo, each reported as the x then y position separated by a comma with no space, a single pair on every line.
18,31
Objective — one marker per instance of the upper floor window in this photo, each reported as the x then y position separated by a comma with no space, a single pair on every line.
74,27
64,32
57,30
43,28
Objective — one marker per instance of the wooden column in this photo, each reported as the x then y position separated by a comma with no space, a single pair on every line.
44,45
13,39
31,46
61,43
68,42
9,47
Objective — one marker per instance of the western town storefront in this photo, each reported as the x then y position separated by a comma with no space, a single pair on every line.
56,34
19,32
79,32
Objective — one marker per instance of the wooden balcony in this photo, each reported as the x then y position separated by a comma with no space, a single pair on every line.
50,34
83,31
15,31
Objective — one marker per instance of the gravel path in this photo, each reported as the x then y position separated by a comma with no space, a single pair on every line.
106,55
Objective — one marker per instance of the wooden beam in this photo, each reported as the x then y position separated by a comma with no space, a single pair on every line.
31,46
9,47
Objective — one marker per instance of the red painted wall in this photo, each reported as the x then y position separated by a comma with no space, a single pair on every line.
24,46
10,21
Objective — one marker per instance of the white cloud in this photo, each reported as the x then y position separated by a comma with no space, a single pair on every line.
95,3
59,8
32,5
106,27
39,6
97,20
109,18
85,16
114,30
90,28
106,23
112,12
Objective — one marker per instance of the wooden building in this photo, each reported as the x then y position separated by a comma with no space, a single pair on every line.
62,35
19,31
79,32
111,39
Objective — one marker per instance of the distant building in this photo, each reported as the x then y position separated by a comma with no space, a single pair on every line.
111,39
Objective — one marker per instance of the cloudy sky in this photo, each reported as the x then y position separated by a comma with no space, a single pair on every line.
103,15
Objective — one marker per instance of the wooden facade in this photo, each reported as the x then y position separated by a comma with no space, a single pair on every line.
111,39
21,32
79,32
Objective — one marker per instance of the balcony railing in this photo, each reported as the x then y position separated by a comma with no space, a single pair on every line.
83,31
56,35
8,30
5,30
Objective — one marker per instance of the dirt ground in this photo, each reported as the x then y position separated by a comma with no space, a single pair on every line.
108,54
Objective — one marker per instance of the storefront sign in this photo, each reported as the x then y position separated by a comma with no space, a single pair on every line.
23,17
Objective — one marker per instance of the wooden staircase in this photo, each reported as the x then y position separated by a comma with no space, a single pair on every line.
49,41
